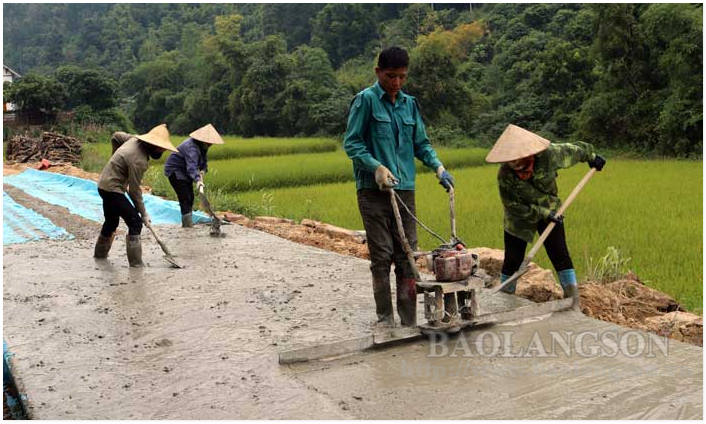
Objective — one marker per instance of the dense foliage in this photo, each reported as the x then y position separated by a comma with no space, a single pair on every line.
619,75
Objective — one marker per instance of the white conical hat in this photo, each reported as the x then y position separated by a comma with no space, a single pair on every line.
158,136
516,143
207,134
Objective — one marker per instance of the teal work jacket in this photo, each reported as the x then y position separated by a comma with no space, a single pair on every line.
380,133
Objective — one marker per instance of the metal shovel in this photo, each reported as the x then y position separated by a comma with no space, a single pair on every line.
167,254
215,221
525,263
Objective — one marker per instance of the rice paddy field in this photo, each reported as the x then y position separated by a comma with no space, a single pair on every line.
649,210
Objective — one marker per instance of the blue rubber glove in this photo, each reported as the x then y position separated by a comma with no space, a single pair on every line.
445,179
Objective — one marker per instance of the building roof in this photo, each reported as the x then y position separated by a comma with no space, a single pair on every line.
5,67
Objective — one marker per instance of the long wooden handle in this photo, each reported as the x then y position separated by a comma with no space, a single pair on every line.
159,242
452,210
403,238
559,213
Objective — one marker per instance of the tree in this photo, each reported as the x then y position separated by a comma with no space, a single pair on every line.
649,91
434,75
344,30
157,89
255,105
36,95
309,84
87,87
290,20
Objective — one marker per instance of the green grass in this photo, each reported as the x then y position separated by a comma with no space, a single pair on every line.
248,147
307,169
95,155
651,211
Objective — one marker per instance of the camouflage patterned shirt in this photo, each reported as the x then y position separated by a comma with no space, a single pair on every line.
528,202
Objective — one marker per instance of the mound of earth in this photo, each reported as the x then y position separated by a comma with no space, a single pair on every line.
59,168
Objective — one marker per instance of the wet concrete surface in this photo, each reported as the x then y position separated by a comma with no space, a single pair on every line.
98,340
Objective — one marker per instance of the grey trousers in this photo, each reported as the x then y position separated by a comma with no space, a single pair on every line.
385,247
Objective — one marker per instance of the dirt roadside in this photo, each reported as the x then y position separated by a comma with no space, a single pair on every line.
627,302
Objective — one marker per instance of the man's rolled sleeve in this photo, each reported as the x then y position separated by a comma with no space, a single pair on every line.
354,141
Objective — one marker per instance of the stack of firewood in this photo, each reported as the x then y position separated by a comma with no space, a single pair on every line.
56,148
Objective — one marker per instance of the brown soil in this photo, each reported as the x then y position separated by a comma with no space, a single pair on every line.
66,169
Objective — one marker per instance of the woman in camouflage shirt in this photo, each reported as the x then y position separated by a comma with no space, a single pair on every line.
528,190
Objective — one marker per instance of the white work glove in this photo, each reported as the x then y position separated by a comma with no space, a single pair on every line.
147,219
202,173
200,185
384,178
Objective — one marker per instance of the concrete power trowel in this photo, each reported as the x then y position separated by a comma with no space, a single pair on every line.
450,298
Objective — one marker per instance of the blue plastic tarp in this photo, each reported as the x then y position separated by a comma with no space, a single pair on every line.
20,224
80,197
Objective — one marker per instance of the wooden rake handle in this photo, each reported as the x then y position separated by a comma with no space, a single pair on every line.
403,237
559,213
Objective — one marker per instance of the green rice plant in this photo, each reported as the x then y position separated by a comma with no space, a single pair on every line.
97,154
250,147
607,268
651,211
306,169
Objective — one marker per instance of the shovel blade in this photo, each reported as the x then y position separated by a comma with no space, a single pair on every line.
172,262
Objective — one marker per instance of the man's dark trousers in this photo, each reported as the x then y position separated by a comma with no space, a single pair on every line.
385,248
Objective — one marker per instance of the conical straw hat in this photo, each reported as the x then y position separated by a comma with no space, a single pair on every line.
207,134
516,143
158,136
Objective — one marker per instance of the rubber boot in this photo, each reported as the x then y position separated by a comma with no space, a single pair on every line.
567,279
510,288
103,245
407,301
383,300
186,221
134,250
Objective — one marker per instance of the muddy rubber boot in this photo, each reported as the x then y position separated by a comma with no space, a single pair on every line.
134,250
383,300
567,279
407,301
103,245
510,288
572,291
186,221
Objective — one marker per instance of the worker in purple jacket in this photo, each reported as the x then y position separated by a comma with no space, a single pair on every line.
189,165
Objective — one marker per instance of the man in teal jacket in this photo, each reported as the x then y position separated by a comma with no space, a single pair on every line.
385,133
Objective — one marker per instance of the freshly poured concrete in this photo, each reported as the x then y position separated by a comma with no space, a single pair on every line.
98,340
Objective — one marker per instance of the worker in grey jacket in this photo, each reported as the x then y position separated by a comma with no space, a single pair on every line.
188,165
123,173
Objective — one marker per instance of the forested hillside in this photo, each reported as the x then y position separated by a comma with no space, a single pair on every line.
619,75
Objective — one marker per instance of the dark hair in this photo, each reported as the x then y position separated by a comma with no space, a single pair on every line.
393,57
